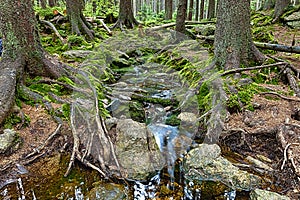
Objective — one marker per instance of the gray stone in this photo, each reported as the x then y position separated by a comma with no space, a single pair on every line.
293,20
107,191
205,163
259,194
7,140
136,150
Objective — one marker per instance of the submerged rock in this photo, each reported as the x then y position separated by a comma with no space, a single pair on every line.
8,140
136,150
259,194
107,191
205,163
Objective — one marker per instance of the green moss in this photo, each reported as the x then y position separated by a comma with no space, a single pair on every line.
137,112
172,120
243,98
204,97
14,119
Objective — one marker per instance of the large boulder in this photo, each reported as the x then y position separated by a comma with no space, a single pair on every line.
205,163
293,20
259,194
136,150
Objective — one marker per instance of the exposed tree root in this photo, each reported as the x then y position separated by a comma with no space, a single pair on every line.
90,134
128,23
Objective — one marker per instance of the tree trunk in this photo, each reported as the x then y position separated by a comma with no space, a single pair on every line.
77,20
280,6
202,9
197,10
269,4
23,50
181,15
169,9
43,4
233,40
191,8
211,9
52,3
125,15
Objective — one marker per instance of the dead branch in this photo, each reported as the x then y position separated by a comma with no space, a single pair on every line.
278,47
281,96
54,29
168,25
285,155
105,26
233,71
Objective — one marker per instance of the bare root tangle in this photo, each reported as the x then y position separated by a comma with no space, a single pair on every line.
89,133
121,23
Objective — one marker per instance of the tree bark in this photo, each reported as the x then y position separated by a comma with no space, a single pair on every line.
197,10
168,9
23,50
202,9
233,41
181,16
269,4
52,3
191,9
77,20
280,6
125,15
211,9
43,4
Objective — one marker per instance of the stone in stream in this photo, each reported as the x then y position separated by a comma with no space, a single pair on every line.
136,150
259,194
205,163
107,191
8,140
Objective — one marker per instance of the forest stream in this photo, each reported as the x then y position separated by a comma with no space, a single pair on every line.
153,123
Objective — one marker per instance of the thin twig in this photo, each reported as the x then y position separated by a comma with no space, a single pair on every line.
40,148
281,96
55,30
285,155
232,71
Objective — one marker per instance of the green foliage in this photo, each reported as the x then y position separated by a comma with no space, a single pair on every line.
48,13
242,99
75,40
172,120
264,34
13,119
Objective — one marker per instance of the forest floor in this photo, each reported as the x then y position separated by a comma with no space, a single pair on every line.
272,130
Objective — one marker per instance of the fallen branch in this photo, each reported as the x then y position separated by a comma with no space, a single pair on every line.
278,47
233,71
275,47
105,26
54,29
156,28
281,96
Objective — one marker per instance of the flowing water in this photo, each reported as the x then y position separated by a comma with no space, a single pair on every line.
163,96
